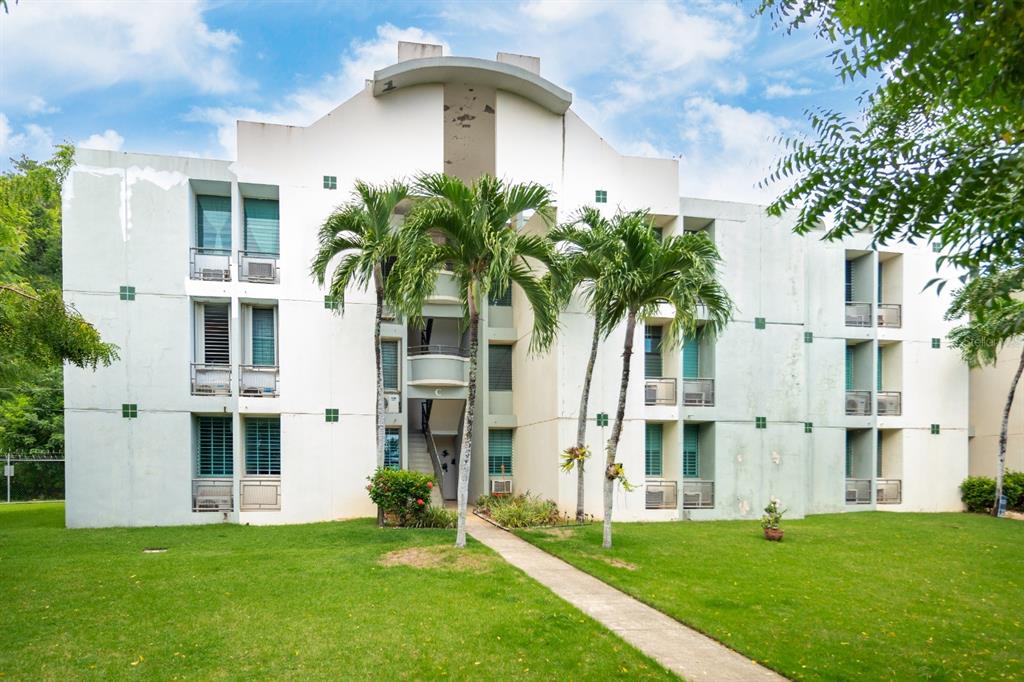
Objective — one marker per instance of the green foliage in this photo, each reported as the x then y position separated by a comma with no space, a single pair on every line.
519,511
979,492
995,315
574,456
434,517
772,517
401,494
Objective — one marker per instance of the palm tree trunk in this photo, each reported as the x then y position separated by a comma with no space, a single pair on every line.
378,281
1004,428
466,456
613,442
581,423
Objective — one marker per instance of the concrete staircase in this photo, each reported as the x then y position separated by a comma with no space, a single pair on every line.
419,460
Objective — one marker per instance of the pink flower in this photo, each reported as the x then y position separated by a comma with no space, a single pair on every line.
419,502
430,485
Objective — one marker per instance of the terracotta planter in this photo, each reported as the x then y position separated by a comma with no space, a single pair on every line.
774,534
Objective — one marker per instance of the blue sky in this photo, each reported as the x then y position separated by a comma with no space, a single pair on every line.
702,81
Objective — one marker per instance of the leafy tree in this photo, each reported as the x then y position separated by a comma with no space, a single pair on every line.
481,246
681,272
360,239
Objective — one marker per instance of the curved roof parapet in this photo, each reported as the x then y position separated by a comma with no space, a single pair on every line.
475,71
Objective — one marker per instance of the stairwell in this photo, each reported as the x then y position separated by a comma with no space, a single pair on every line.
419,460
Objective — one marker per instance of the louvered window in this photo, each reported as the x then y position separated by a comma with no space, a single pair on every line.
653,450
499,367
389,364
216,326
849,368
262,226
213,222
263,446
691,357
652,352
214,455
264,352
499,452
879,384
849,458
392,449
691,468
849,281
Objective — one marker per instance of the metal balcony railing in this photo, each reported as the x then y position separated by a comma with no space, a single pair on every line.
858,403
698,493
660,391
212,265
254,266
257,381
889,491
210,379
260,494
858,491
699,392
213,495
660,494
890,315
438,350
890,403
858,314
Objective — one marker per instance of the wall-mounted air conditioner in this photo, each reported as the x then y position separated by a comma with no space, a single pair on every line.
501,487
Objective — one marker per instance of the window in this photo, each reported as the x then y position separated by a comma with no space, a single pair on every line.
499,452
690,464
879,377
214,319
389,364
127,293
331,414
214,448
330,182
878,466
263,446
499,367
653,450
129,410
849,458
392,448
879,282
501,298
264,352
262,226
691,357
849,281
213,222
849,368
652,352
601,196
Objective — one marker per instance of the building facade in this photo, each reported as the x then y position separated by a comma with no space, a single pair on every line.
244,394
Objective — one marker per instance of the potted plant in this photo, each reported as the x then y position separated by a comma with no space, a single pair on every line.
771,522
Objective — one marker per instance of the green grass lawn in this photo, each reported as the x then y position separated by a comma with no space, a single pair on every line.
311,602
877,596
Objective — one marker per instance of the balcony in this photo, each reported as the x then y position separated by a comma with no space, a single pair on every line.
699,392
436,365
858,314
660,494
209,379
890,315
213,495
660,391
210,265
698,494
257,381
858,491
858,403
890,403
446,289
889,491
254,266
260,494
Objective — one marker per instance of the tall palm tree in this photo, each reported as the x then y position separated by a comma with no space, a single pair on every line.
360,238
585,248
679,271
485,253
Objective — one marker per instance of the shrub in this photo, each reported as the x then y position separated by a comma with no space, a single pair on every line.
402,495
978,493
1013,488
519,511
434,517
772,517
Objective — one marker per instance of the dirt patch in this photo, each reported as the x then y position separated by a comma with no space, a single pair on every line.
447,558
560,533
1016,516
618,563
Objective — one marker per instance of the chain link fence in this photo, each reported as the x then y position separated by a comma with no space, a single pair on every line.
32,476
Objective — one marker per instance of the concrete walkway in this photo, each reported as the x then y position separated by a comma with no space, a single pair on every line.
684,651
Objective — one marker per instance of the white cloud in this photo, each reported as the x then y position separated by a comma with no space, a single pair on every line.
75,46
779,90
33,141
38,105
108,139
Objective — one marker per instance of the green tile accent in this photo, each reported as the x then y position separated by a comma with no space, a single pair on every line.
758,323
935,429
331,414
129,410
936,343
127,293
330,182
936,247
601,196
331,303
761,422
602,419
808,337
808,427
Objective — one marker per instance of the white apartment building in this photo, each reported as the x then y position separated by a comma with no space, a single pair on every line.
242,393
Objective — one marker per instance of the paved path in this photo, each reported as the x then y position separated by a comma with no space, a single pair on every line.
684,651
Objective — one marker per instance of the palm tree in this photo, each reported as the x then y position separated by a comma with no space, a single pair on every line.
585,246
681,272
484,253
361,237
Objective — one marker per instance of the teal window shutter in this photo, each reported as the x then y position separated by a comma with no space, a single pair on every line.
879,383
216,333
879,282
849,368
499,367
653,450
214,450
499,452
691,357
263,446
262,226
878,470
690,466
392,448
213,222
849,458
652,352
389,364
263,351
849,281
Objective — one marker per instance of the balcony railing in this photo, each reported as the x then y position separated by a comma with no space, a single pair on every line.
438,350
257,381
890,403
858,403
890,315
260,494
210,379
254,266
889,491
858,314
858,491
660,494
698,494
213,495
700,392
660,391
212,265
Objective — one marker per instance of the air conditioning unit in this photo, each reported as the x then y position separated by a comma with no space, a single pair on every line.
213,498
260,271
501,487
655,499
215,275
393,403
650,393
203,389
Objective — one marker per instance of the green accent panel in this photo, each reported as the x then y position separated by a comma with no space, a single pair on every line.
331,414
129,410
263,446
690,451
389,364
331,303
499,452
652,352
936,343
262,226
808,427
499,367
935,429
127,293
759,323
213,222
601,196
879,366
330,182
849,368
849,281
392,448
501,298
653,449
760,422
214,448
808,337
263,337
602,419
691,357
936,247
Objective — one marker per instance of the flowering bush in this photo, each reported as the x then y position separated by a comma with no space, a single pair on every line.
400,494
574,456
772,515
519,511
